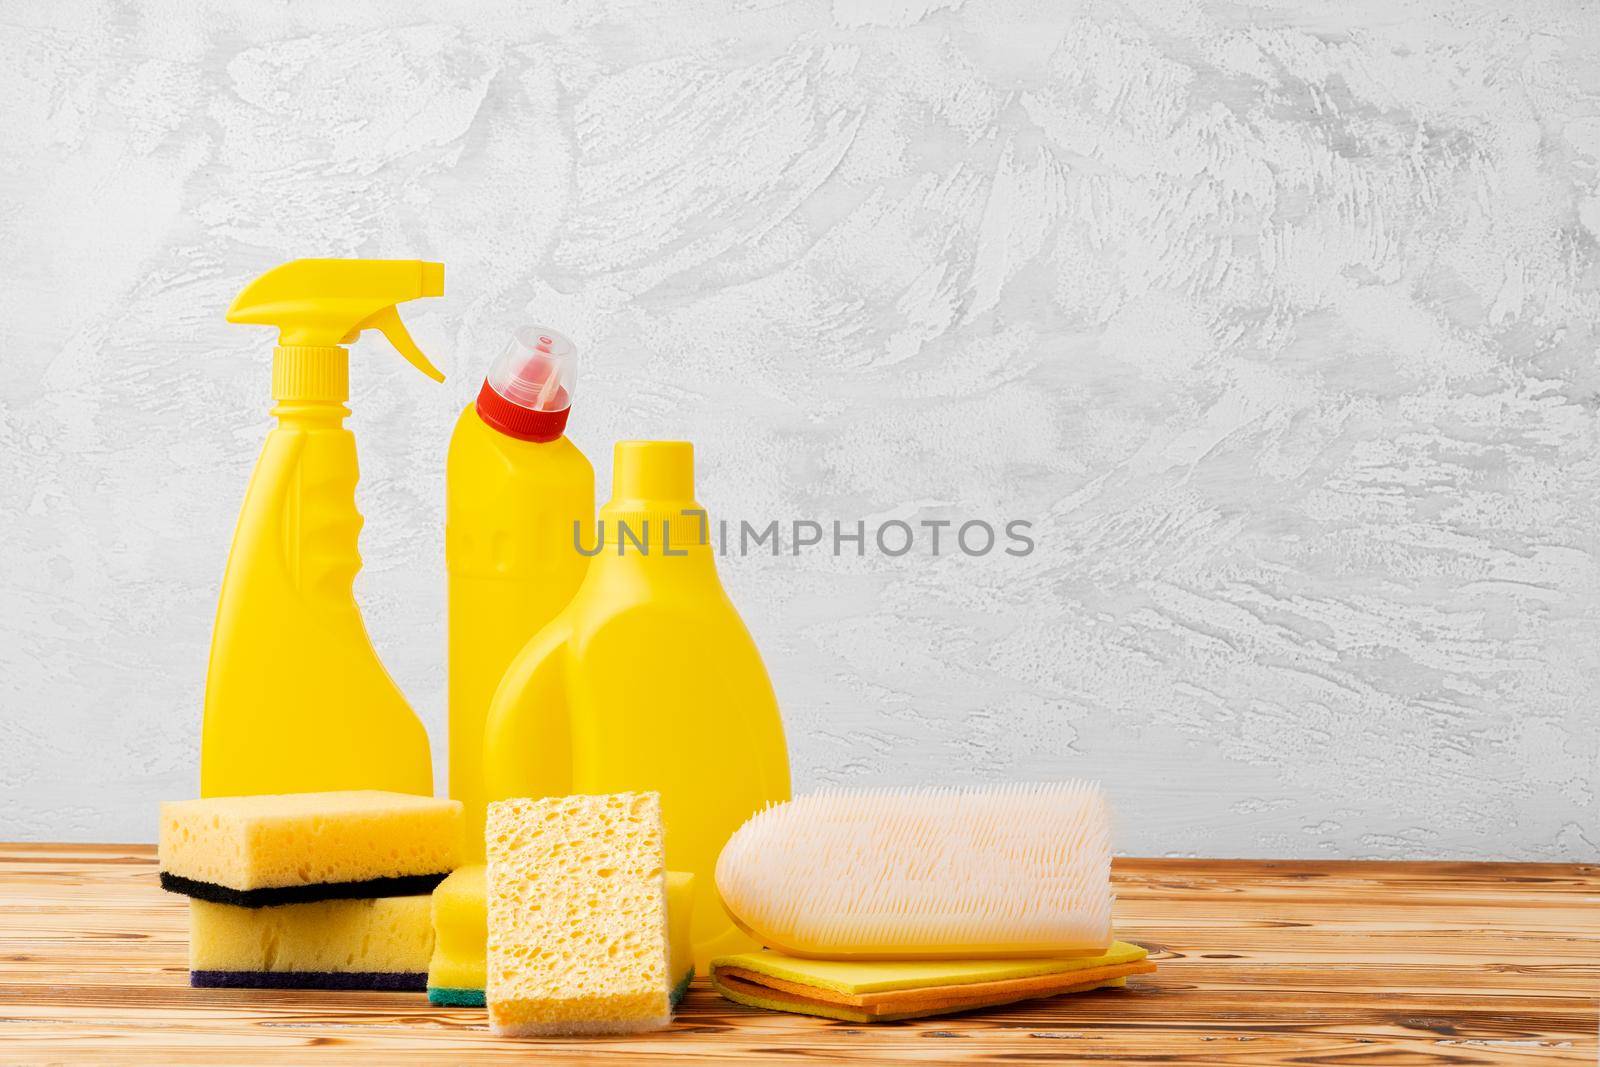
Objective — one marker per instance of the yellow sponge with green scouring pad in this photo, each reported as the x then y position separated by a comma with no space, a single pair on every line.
577,916
680,949
294,848
331,944
460,932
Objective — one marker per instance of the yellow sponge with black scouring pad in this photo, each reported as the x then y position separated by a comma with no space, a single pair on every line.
294,848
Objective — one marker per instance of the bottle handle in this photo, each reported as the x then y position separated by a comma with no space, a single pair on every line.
527,737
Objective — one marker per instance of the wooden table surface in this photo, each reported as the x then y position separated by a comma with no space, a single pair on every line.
1372,964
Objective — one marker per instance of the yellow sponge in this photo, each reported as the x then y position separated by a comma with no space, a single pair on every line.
299,847
331,944
460,933
577,933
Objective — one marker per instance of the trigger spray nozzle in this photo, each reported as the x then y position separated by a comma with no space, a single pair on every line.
321,305
388,323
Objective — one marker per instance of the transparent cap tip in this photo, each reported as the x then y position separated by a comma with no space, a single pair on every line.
537,371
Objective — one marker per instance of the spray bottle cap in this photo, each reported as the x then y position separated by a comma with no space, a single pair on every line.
528,391
319,305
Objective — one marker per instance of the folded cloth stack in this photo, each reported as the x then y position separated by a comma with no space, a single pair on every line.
884,991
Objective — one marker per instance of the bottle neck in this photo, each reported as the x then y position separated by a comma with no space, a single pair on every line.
310,413
310,384
665,534
311,375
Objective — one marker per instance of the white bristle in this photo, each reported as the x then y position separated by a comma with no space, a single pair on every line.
1004,870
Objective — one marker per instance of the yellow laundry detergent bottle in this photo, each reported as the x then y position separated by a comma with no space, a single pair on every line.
648,680
519,498
296,698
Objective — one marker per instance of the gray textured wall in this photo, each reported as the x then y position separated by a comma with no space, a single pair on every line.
1281,326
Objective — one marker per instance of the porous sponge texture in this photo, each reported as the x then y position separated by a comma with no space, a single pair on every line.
460,931
295,839
925,873
388,934
577,923
460,921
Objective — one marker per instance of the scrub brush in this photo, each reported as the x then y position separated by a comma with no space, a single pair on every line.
926,873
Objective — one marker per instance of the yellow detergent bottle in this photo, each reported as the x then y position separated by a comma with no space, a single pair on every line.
296,699
648,680
518,496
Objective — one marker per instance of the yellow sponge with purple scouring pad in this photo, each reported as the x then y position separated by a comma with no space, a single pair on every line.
331,944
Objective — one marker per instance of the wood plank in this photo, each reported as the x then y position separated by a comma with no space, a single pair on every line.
1306,963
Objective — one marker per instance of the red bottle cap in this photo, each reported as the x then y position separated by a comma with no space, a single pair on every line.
528,391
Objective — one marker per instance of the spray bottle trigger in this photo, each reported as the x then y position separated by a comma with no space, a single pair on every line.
387,320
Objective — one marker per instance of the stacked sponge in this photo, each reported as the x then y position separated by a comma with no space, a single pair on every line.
574,926
310,890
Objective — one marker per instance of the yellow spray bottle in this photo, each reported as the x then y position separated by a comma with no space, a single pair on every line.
648,679
296,698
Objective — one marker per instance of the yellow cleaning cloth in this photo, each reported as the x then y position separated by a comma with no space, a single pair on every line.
864,991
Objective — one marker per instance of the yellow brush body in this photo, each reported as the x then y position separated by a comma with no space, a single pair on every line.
999,872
